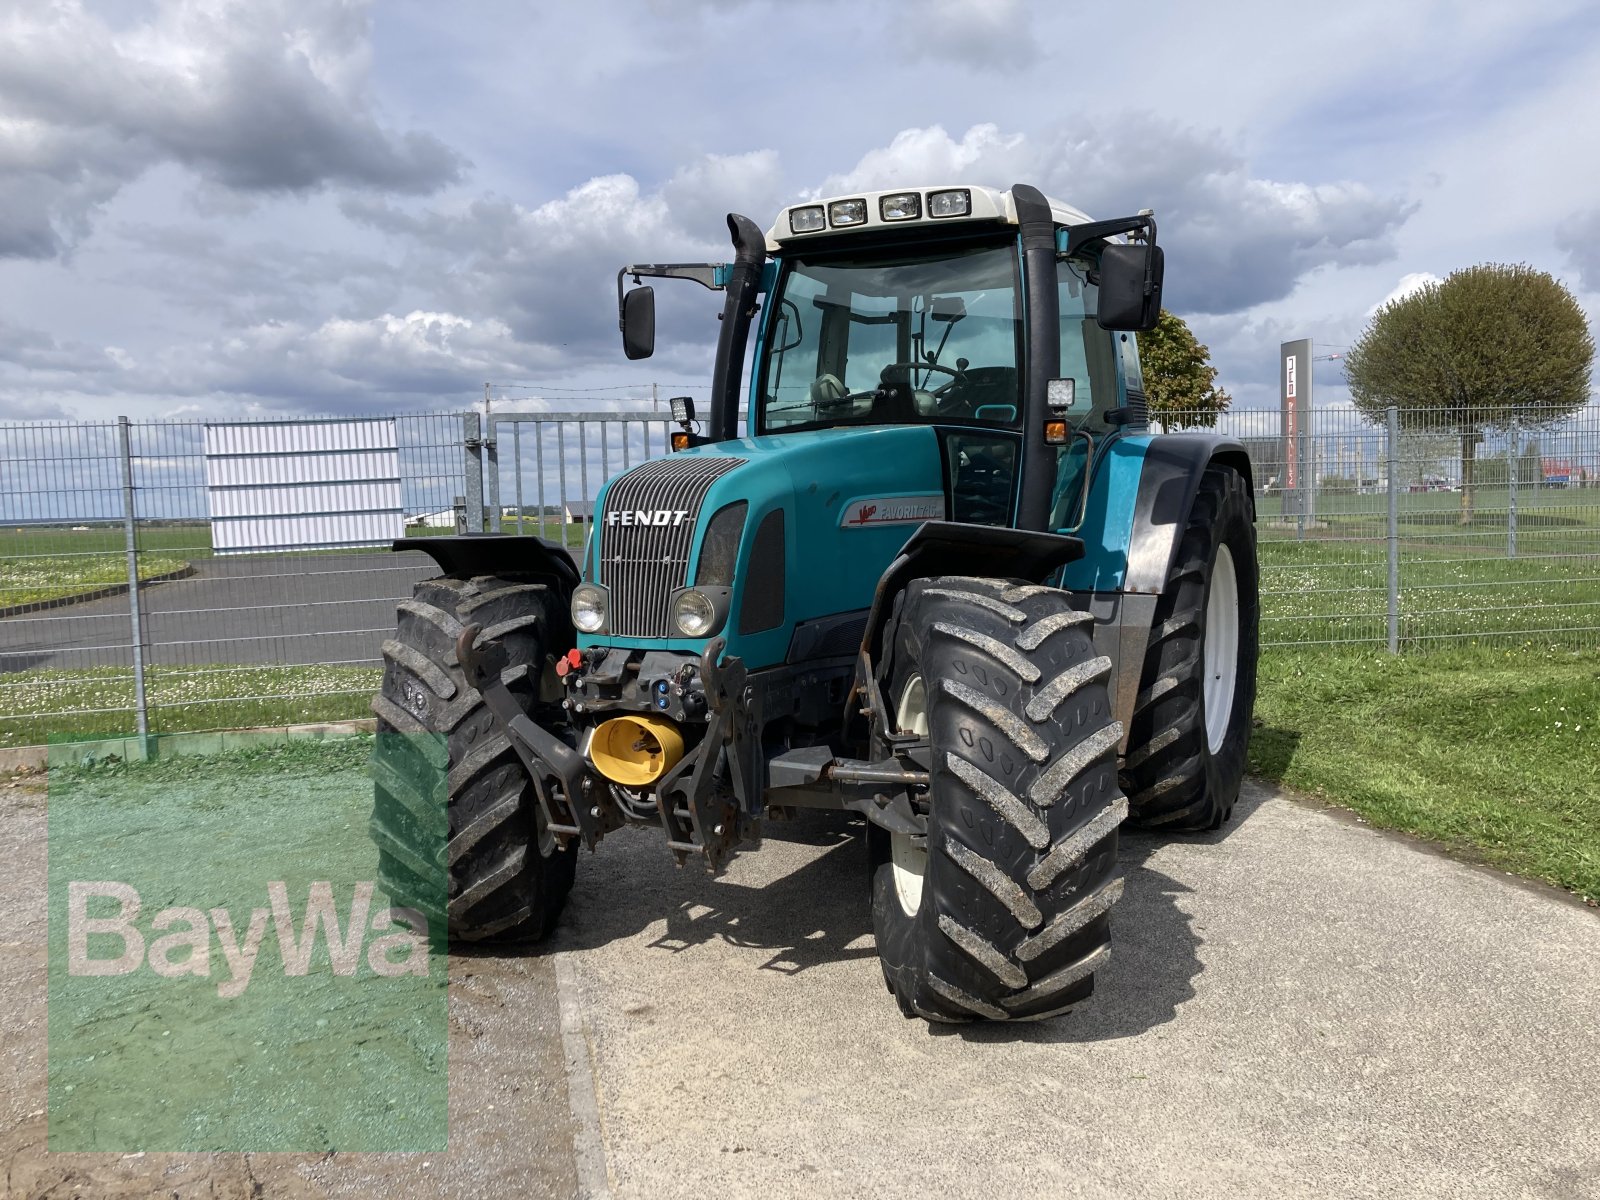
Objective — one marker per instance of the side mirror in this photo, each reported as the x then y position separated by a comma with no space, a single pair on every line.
1130,286
639,323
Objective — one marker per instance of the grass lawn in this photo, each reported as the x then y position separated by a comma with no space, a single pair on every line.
40,564
1332,583
38,705
1491,751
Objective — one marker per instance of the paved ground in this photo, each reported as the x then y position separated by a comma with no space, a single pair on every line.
307,608
1298,1007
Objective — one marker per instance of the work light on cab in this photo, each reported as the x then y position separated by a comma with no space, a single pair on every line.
589,607
900,206
957,202
847,212
807,220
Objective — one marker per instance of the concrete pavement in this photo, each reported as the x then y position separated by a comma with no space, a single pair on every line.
1296,1007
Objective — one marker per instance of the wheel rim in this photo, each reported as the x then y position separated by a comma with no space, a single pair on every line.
1221,652
910,862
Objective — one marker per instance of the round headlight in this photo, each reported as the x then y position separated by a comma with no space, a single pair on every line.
589,607
694,613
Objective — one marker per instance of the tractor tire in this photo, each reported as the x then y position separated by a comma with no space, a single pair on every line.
1003,914
1191,721
479,857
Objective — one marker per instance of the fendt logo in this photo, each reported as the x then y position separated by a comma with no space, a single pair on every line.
647,516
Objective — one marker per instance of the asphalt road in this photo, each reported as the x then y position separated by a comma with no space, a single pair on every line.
296,609
1296,1007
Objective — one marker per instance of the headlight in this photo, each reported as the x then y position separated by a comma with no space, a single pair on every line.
694,613
589,608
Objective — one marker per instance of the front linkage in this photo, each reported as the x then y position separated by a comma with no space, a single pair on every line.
712,800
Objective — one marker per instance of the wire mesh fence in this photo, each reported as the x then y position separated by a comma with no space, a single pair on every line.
1417,528
1403,532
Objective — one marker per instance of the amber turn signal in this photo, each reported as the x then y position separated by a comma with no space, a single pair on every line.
1055,433
680,441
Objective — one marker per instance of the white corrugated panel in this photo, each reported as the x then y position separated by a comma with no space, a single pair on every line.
302,485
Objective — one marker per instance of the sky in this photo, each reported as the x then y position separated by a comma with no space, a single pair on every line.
213,208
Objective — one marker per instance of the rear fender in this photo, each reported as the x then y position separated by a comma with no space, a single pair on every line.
1132,532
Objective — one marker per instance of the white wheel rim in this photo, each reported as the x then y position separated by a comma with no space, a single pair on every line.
1221,649
910,863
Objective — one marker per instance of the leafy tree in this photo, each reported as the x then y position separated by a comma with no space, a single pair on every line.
1488,345
1179,380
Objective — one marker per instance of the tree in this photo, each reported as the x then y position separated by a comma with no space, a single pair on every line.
1489,345
1179,380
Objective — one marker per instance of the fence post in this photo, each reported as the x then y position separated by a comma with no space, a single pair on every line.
516,453
491,444
1511,512
472,445
1391,449
136,624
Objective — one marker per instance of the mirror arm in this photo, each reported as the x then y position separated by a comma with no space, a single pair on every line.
711,276
1141,227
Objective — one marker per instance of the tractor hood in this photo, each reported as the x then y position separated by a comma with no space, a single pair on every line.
824,513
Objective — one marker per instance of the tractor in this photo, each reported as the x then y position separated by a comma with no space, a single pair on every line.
947,581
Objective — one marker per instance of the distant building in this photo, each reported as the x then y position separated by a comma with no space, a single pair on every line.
580,512
445,518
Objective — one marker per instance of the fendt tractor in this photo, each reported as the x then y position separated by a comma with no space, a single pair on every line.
947,580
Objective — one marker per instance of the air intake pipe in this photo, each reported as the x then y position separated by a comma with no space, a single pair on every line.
744,285
1037,229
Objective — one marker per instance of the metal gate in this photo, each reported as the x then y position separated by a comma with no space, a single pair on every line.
539,473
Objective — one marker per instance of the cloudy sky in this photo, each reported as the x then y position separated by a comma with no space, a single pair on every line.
216,207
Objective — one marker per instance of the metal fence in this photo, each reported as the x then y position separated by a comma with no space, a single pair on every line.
1416,529
116,616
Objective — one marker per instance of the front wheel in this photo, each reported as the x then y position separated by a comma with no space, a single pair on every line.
1191,722
1001,912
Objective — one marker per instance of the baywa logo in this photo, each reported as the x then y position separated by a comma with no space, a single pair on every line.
184,947
672,517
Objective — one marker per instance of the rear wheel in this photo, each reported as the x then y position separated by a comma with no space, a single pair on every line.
479,857
1191,721
1002,911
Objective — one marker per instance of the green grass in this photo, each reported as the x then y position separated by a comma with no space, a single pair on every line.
38,705
1455,580
40,564
306,755
1490,751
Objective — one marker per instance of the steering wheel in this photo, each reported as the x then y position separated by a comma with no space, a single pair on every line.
941,405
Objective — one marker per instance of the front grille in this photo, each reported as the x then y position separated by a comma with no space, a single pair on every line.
643,564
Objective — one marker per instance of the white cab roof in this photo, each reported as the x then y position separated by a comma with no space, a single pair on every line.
988,204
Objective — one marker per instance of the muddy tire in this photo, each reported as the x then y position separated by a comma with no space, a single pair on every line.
1004,914
1191,722
457,822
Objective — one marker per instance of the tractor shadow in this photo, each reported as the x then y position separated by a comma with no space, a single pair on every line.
1155,948
817,913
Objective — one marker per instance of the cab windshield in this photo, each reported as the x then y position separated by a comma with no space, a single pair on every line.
894,339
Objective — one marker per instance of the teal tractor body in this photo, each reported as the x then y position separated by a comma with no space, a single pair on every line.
945,579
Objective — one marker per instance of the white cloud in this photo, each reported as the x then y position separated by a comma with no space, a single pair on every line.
251,95
1234,239
1409,284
